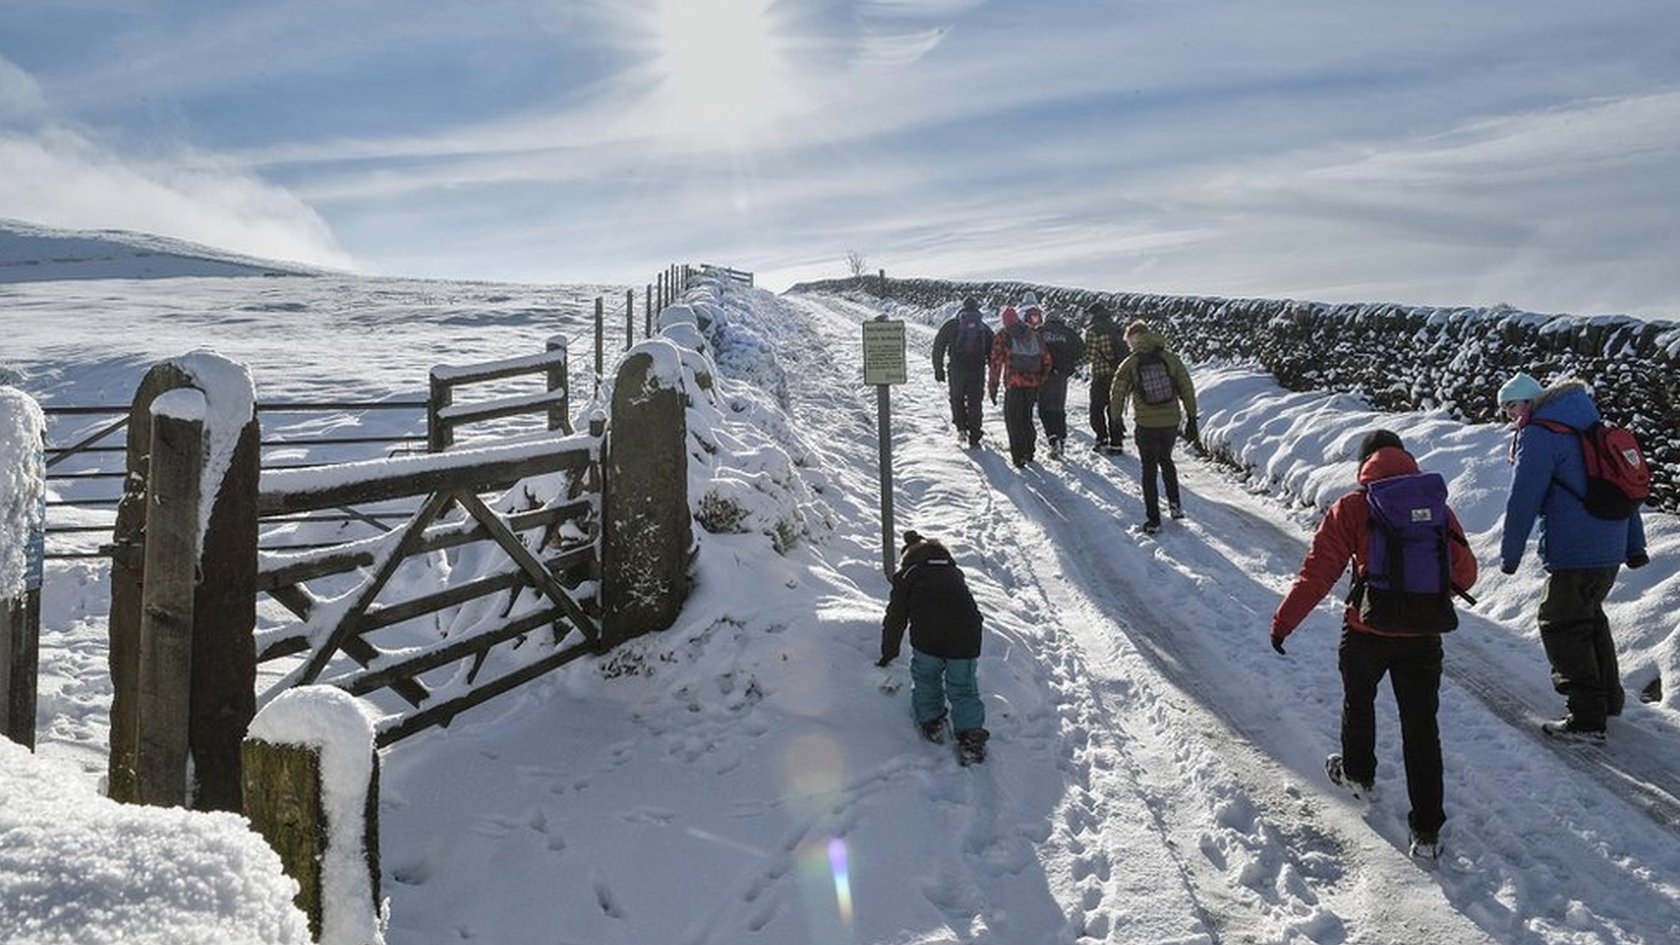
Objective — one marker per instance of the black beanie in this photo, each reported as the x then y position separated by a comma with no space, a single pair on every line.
912,537
1376,440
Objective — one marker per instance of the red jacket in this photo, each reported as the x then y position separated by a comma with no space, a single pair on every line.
1000,363
1341,538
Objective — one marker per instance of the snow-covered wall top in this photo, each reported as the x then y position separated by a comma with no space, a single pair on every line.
1399,357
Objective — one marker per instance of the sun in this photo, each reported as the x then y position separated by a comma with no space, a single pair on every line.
721,64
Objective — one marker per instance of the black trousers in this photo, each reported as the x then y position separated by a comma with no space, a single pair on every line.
1576,635
1052,407
1109,432
1018,421
1155,449
968,392
1413,667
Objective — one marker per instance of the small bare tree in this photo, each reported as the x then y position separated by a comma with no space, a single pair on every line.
856,262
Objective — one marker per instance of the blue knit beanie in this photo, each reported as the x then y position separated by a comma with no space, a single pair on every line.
1519,387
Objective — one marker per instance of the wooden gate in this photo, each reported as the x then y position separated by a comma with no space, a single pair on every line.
546,569
519,558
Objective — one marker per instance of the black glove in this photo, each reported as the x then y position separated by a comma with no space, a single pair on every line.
938,375
883,661
1190,430
1639,560
1506,567
1277,645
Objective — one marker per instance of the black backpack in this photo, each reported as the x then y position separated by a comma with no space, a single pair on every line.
1155,381
969,346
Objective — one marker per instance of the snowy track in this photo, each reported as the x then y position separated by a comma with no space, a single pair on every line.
1147,641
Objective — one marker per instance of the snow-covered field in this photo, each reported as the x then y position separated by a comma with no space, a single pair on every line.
1156,772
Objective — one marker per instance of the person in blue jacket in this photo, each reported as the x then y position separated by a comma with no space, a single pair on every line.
1580,551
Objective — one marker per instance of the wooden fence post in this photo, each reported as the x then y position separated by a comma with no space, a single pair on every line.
440,435
647,529
629,315
24,507
600,336
310,756
166,618
221,563
647,316
559,415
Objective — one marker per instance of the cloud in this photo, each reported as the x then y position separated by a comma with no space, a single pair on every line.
56,175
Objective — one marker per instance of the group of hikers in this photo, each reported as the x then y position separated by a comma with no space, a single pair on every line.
1033,357
1580,479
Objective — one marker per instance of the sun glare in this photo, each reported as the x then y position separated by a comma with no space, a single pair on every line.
721,63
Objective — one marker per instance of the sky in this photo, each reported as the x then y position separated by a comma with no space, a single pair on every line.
1520,152
1156,772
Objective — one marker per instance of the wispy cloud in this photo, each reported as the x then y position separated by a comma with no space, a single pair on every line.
1514,150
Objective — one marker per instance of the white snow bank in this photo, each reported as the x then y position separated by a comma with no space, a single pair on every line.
78,868
22,493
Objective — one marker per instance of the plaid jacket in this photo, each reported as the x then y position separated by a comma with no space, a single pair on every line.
1104,349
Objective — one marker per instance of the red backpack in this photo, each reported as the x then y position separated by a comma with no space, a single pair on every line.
1618,478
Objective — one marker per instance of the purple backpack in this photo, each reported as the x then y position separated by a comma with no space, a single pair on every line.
1407,585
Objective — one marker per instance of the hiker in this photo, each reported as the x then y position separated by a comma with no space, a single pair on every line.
1581,552
1031,312
1067,349
1392,625
1021,361
930,595
960,350
1105,348
1156,383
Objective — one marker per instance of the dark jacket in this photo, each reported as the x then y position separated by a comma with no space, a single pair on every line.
945,351
931,596
1105,346
1547,483
1067,349
1341,538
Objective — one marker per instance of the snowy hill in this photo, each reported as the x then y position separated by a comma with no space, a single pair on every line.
750,776
32,253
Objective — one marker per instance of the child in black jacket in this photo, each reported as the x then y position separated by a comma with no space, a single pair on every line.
930,596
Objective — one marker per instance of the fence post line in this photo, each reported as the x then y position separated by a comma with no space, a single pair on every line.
166,620
20,614
600,336
560,415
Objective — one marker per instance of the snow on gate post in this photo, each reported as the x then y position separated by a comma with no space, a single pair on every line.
311,785
210,581
646,526
23,522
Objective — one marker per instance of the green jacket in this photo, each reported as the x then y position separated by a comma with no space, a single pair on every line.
1125,387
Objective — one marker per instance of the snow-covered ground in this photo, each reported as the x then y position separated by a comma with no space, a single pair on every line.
1156,772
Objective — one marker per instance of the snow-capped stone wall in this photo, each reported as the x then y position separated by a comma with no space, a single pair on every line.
1399,357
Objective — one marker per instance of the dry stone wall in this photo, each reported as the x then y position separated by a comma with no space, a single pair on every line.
1399,357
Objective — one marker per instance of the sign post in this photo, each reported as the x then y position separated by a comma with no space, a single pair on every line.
884,364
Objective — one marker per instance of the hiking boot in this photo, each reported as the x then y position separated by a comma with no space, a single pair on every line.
1425,846
1055,449
934,730
1568,729
973,743
1175,510
1150,528
1361,790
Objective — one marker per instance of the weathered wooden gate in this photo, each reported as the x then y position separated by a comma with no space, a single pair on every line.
521,557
